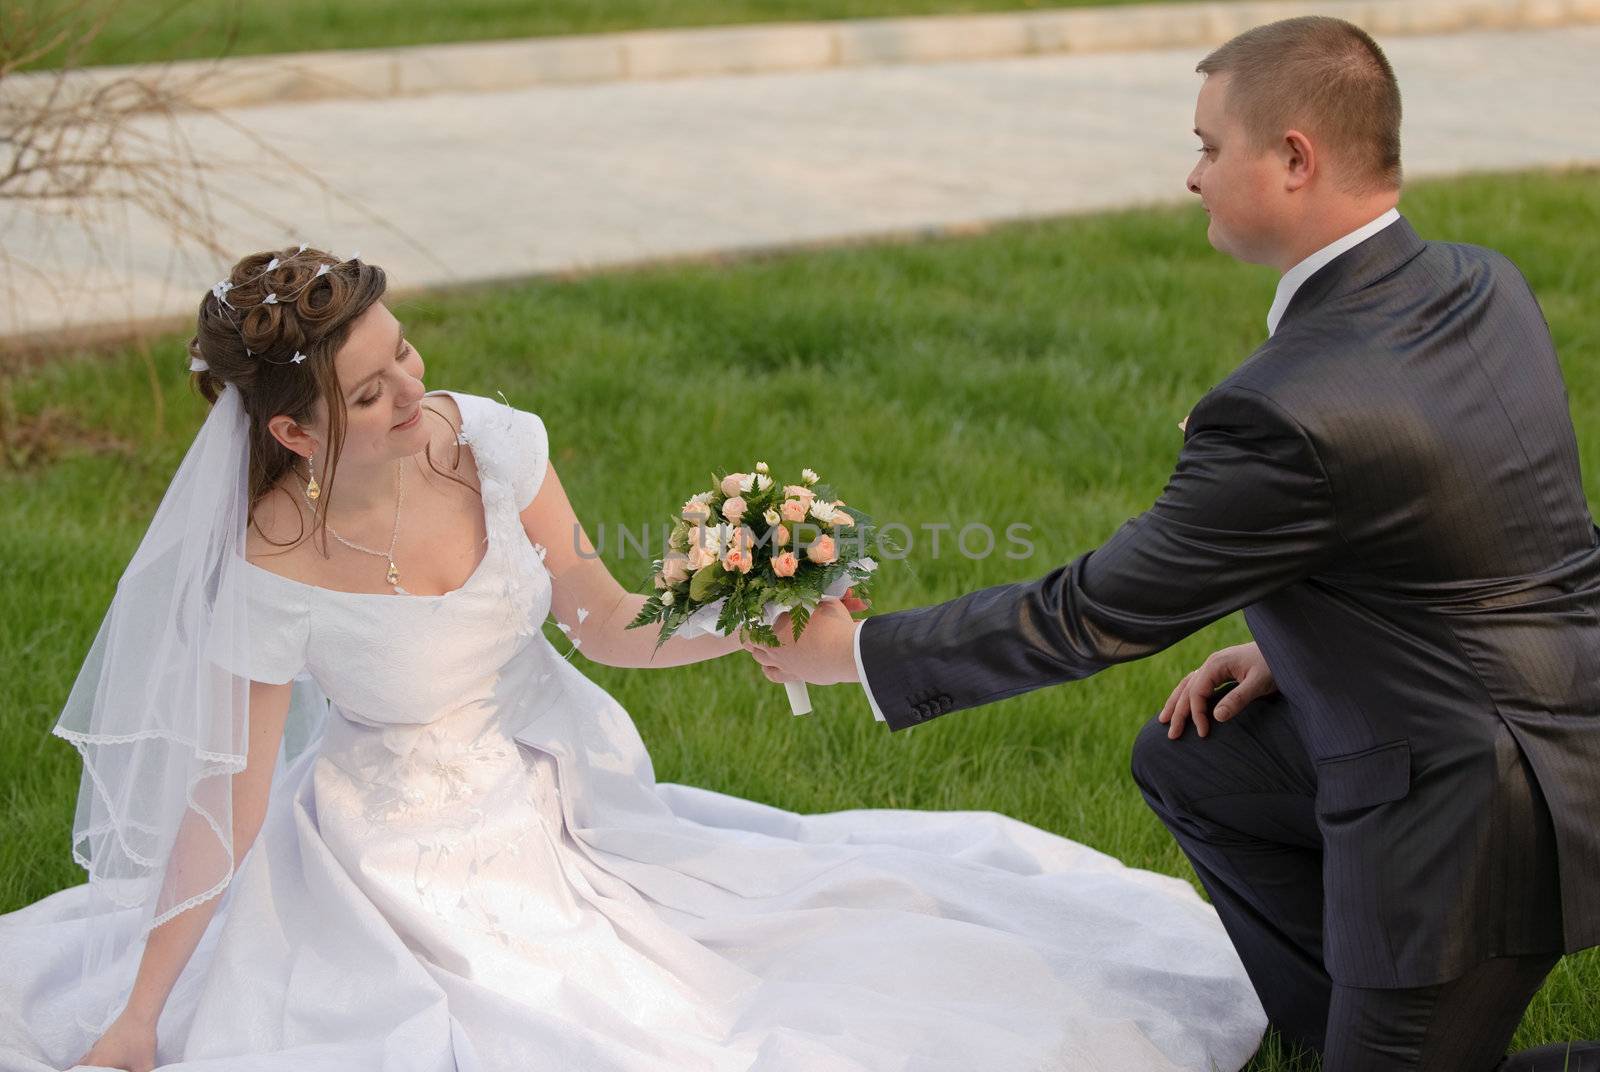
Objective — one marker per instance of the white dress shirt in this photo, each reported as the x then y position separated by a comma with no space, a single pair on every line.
861,672
1291,281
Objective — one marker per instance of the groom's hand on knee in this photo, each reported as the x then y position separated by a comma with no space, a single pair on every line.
1242,667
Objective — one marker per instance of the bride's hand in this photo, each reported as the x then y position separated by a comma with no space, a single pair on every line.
129,1043
1242,663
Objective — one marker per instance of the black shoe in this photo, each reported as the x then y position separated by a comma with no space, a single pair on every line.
1556,1057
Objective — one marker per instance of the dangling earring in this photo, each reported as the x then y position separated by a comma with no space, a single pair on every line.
313,489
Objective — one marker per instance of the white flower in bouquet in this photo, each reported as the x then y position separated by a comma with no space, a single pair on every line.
761,467
720,539
716,538
771,517
823,511
809,476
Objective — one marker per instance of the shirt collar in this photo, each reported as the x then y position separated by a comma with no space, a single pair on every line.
1307,268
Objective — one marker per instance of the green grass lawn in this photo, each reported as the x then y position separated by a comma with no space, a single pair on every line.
142,30
1034,375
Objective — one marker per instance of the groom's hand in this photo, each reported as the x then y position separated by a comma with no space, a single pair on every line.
824,654
1242,663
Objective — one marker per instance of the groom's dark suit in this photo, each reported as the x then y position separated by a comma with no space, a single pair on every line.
1389,488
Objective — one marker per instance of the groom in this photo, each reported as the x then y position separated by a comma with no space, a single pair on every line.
1404,836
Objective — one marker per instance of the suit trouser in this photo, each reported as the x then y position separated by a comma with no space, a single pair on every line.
1240,802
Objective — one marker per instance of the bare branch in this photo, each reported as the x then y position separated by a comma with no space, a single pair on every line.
85,151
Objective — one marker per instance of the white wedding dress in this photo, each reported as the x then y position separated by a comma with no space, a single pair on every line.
471,866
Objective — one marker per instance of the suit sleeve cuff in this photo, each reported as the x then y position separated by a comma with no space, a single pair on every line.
861,673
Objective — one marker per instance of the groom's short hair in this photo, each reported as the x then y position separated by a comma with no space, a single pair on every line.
1325,77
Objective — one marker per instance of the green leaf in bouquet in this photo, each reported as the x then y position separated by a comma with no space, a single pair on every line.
762,634
652,611
810,581
733,616
799,618
705,582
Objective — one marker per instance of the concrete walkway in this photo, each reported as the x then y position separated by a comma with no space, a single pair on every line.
458,188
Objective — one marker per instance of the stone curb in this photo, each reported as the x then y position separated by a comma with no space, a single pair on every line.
481,67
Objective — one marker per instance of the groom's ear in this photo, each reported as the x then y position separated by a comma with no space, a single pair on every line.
1299,159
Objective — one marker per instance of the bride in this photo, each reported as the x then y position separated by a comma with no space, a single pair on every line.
345,807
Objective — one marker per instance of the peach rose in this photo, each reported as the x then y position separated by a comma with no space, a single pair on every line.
843,520
737,561
780,535
702,549
734,508
822,550
675,570
696,512
799,491
733,483
793,510
786,564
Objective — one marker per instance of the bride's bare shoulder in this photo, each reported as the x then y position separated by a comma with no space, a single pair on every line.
444,404
275,538
445,449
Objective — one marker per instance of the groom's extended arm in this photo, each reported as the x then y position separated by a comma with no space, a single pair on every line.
1247,511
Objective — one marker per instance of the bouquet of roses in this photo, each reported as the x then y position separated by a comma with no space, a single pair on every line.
745,552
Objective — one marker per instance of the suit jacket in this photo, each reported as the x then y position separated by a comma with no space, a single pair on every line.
1389,488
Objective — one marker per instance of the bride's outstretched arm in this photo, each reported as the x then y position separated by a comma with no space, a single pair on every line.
130,1040
589,602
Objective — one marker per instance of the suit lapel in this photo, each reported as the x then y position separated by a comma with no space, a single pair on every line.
1354,269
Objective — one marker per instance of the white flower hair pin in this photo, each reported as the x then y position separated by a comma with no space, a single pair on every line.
221,288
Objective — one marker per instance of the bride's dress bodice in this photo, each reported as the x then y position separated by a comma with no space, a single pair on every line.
400,659
471,867
426,692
